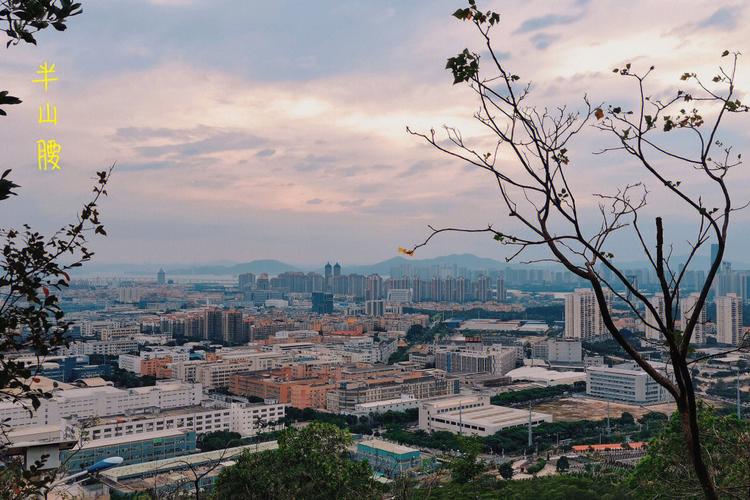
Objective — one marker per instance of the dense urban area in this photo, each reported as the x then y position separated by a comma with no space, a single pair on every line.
185,377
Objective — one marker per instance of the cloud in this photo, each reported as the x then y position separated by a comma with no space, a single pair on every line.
543,40
725,17
218,142
265,153
314,201
417,168
538,23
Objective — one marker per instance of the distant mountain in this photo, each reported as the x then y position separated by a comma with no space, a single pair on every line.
275,267
467,260
269,266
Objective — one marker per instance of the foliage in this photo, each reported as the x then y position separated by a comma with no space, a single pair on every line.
218,440
356,425
439,440
568,486
546,434
417,334
402,354
606,347
534,394
34,267
125,379
563,464
467,466
506,470
536,467
726,450
310,463
23,18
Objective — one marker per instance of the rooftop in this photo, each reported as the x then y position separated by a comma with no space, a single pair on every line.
394,448
132,438
166,464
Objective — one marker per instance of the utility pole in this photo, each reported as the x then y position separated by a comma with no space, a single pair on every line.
739,402
460,417
530,436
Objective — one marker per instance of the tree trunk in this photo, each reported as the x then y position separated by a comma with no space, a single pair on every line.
689,418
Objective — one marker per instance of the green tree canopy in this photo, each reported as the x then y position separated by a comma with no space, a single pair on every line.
726,449
310,463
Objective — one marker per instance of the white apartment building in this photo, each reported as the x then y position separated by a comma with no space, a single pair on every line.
116,332
399,295
405,402
132,362
495,360
251,419
651,324
687,307
103,401
582,317
244,419
113,347
729,319
564,351
626,382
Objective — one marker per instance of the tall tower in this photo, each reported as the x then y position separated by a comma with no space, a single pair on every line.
328,277
161,277
687,307
482,290
582,317
652,332
501,294
212,324
374,289
231,327
336,270
246,282
729,319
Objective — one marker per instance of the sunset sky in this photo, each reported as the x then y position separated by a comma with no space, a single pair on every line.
245,130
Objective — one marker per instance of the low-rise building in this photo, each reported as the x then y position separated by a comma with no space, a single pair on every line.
495,360
421,384
626,382
389,459
473,415
133,449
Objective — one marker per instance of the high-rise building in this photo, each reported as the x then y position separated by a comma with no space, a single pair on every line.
583,319
322,303
482,293
374,287
375,307
263,283
729,319
212,324
231,327
246,282
357,285
501,294
161,277
336,269
687,307
316,282
328,277
651,323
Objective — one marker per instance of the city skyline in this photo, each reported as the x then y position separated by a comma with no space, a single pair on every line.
267,146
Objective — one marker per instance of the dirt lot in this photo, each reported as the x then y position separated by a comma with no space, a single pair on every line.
568,409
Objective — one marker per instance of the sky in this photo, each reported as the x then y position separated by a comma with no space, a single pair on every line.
247,130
